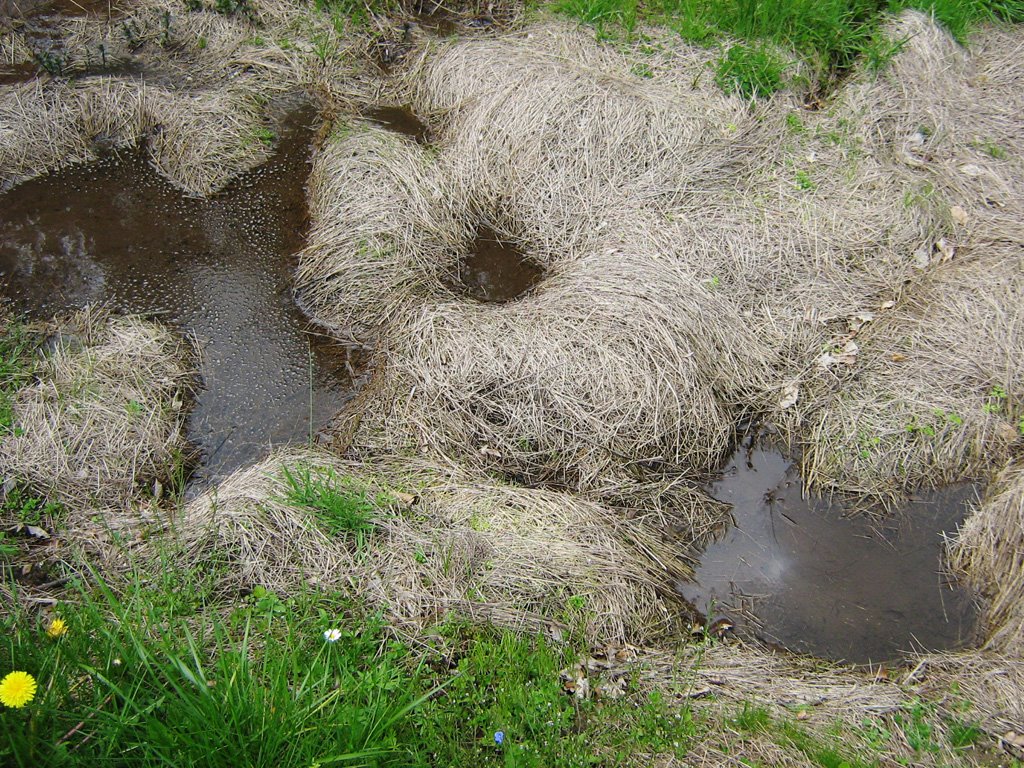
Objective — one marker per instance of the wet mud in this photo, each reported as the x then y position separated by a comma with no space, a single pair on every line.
11,74
494,270
26,8
116,233
805,575
401,120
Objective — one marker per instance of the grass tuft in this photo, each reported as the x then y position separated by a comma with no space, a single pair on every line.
750,71
339,504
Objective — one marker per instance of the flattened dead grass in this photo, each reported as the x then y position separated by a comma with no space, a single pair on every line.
105,416
437,542
989,549
192,86
842,273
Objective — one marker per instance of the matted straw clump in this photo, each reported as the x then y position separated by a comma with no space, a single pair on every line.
564,139
384,230
703,262
618,363
934,396
922,385
425,542
591,377
198,140
197,93
989,549
105,416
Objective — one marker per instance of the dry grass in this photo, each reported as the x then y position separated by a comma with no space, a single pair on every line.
705,261
192,85
621,362
105,417
382,231
584,379
989,549
199,141
933,395
933,398
441,543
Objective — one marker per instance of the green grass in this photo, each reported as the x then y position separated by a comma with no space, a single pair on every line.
157,675
17,345
831,35
338,504
750,71
154,689
162,670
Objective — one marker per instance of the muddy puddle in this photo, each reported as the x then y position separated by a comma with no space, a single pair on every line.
494,270
401,120
27,8
116,233
805,575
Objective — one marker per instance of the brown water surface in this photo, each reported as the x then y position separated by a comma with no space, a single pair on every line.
401,120
116,232
494,270
805,575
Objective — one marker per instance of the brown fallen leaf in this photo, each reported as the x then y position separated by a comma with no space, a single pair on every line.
897,357
32,530
859,320
790,395
845,355
1013,742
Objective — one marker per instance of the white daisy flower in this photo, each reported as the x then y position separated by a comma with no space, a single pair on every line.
332,635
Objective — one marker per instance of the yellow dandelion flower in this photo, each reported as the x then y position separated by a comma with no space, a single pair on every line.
17,689
57,628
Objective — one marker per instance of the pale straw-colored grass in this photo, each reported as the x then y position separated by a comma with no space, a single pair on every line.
105,417
444,543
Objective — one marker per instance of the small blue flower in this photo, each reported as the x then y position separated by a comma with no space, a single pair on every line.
499,737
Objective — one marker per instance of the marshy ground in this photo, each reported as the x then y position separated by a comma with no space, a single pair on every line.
381,380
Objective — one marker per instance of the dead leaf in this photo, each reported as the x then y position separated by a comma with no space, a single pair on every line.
803,714
959,216
845,355
896,357
790,394
611,689
582,688
1013,741
490,453
859,320
405,498
36,532
947,249
887,304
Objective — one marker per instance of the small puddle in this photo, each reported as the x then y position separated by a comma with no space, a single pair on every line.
796,573
494,270
11,74
401,120
22,8
115,232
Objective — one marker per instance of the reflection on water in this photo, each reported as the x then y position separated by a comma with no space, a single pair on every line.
115,232
798,573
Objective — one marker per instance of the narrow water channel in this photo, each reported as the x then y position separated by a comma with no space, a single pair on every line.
116,233
804,574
